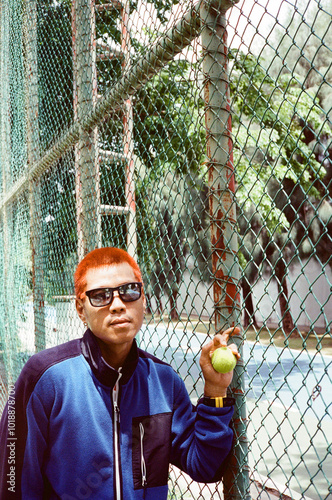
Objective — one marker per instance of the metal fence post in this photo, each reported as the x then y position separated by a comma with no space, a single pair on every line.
5,166
221,181
128,141
33,153
86,151
163,51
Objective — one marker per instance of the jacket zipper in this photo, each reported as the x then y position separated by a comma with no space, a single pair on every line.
116,414
143,465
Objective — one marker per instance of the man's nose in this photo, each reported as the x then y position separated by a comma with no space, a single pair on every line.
117,302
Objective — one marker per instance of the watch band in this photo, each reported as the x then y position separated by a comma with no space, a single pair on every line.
218,402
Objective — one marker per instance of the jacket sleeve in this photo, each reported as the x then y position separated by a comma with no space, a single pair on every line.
201,437
23,431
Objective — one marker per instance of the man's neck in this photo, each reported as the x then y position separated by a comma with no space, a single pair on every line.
114,355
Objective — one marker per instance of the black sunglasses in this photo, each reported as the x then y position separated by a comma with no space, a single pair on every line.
100,297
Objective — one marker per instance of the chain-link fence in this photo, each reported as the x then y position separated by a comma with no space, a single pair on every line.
198,137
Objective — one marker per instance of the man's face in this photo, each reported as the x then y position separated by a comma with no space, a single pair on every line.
119,322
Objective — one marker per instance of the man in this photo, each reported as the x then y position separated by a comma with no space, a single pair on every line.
98,418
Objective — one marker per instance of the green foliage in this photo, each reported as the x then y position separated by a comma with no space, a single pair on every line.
304,47
280,131
55,74
168,133
271,119
59,229
169,140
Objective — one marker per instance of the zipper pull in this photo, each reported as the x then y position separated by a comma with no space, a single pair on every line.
116,411
144,482
115,397
143,465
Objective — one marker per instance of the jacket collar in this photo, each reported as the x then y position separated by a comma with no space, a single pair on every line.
102,371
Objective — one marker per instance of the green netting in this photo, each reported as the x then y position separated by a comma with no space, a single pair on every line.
141,125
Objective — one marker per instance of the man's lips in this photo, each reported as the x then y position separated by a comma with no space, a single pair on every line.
119,321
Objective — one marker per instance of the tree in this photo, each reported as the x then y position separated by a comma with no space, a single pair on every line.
301,45
281,154
169,140
55,76
55,73
278,170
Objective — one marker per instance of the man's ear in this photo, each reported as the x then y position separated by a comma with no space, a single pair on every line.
80,309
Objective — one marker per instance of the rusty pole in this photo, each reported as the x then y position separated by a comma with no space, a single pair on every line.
86,150
128,139
6,219
225,268
163,51
33,154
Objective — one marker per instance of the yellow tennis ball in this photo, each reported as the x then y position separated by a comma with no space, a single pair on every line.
223,360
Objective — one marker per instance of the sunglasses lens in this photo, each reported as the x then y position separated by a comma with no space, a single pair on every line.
104,296
99,298
130,292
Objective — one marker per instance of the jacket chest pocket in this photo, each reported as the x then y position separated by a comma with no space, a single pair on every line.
151,450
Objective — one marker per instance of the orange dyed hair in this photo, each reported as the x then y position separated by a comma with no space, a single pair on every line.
102,257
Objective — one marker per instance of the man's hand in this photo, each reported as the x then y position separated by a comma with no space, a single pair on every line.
216,384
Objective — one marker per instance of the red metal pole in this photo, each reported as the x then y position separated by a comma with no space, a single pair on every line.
226,287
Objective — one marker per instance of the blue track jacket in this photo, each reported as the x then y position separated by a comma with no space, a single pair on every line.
78,429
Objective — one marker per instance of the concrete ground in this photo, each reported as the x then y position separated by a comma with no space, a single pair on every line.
181,487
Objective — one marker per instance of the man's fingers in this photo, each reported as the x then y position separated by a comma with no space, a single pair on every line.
206,348
222,338
234,330
233,348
